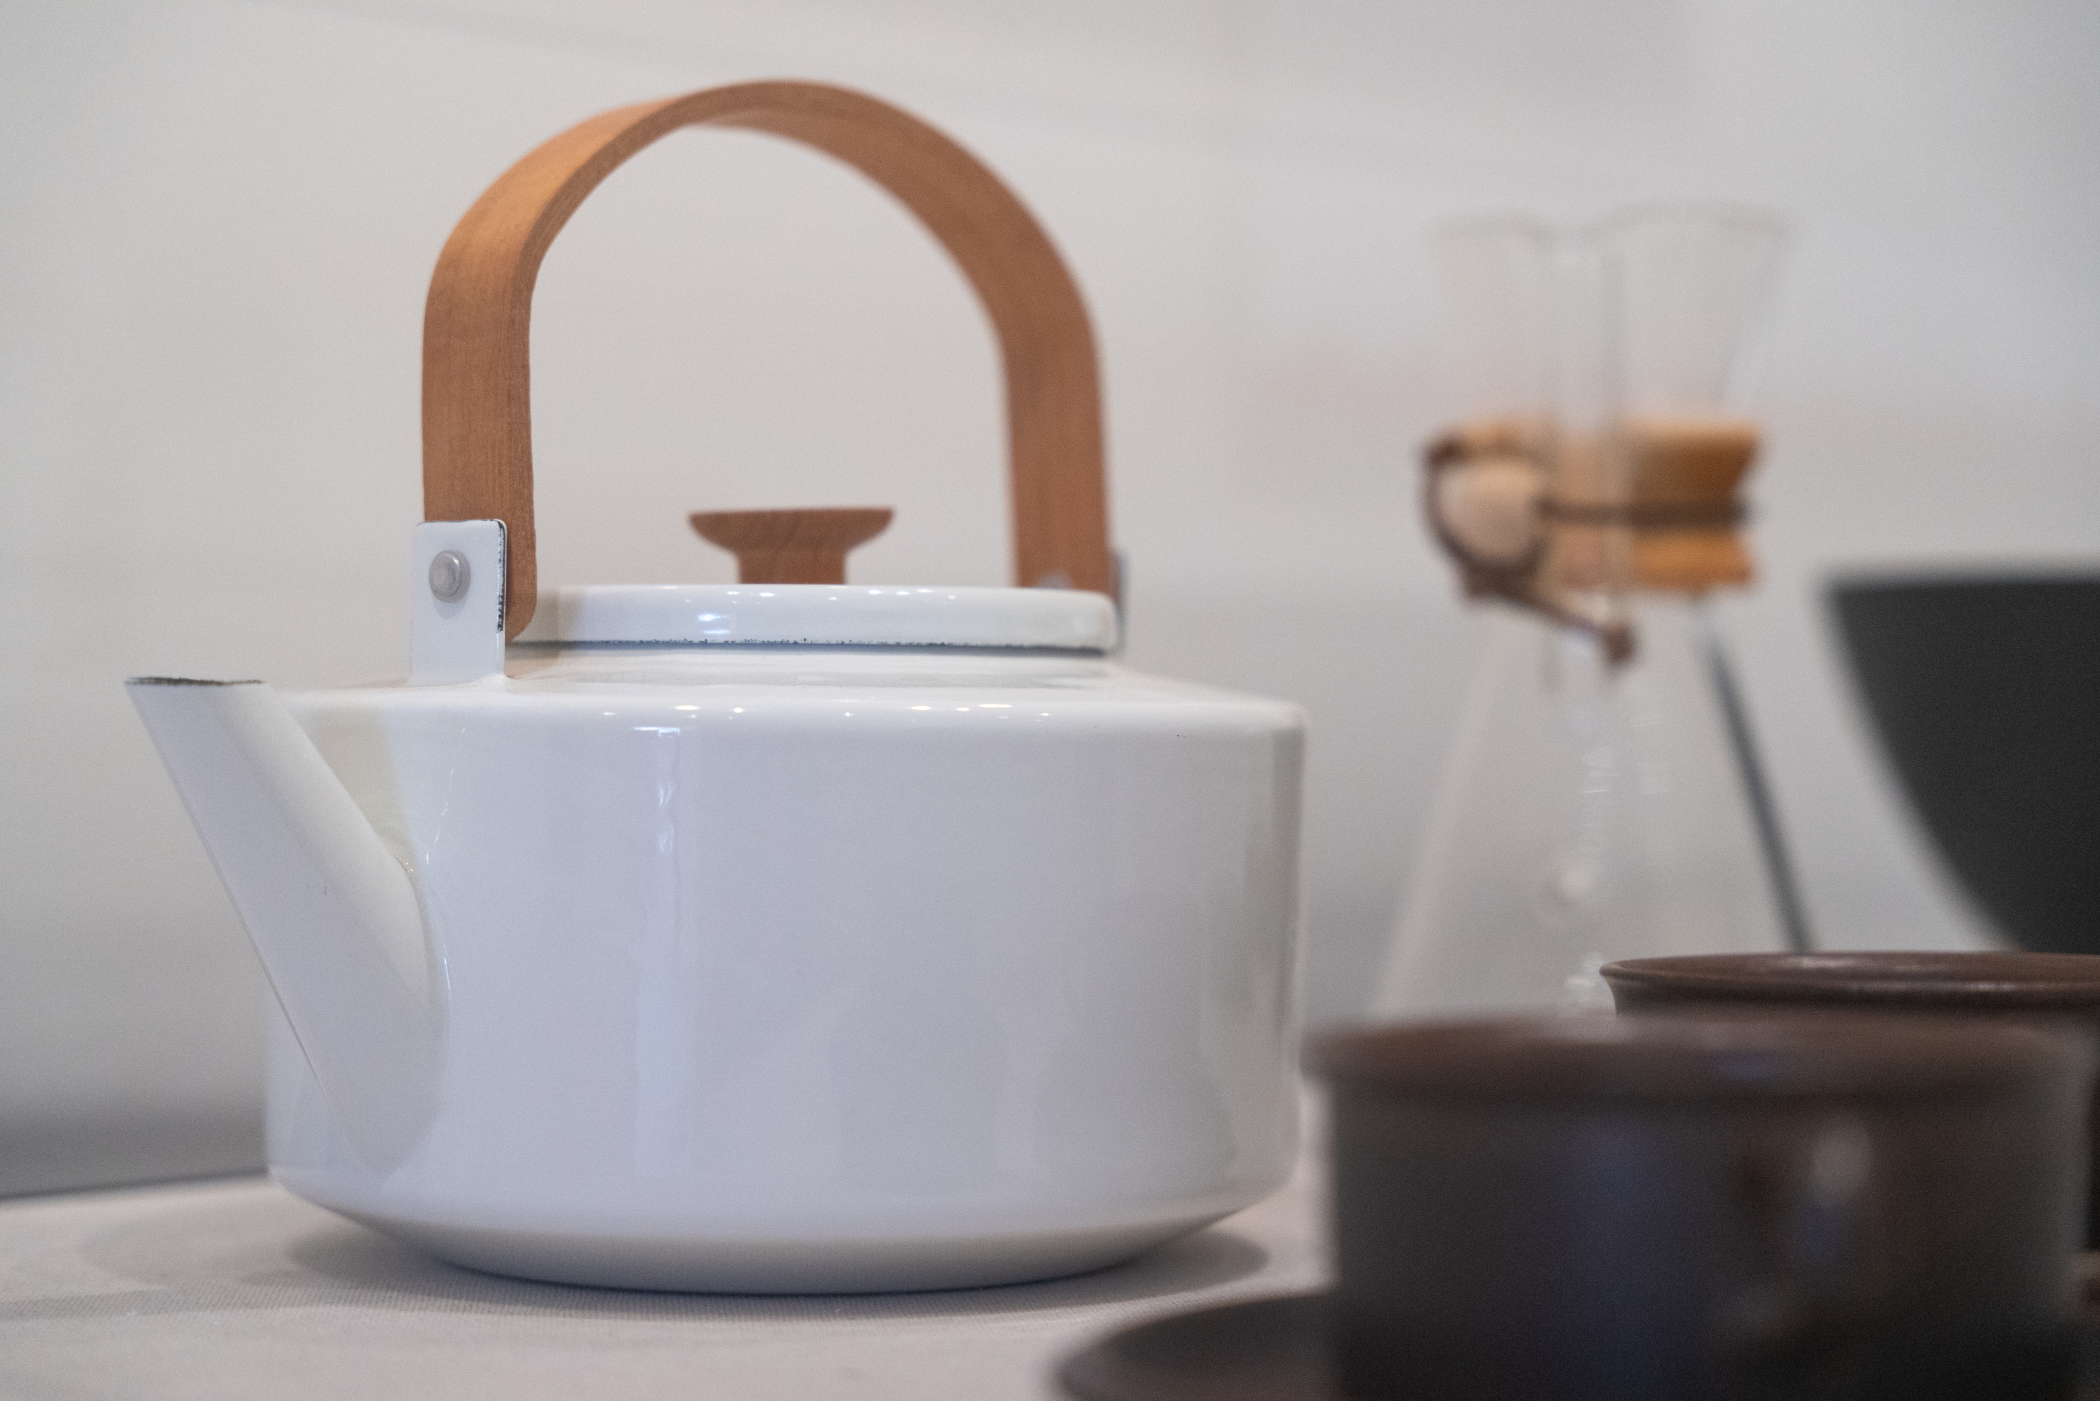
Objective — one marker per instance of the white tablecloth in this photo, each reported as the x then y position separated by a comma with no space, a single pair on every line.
234,1289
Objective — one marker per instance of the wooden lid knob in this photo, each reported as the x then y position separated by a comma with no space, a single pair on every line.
792,547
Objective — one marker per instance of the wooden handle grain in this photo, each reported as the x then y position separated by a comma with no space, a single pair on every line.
477,424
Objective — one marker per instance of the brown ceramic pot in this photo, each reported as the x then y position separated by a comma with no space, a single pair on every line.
1710,1206
2062,988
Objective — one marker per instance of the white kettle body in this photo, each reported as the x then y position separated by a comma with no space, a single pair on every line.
779,936
824,967
745,964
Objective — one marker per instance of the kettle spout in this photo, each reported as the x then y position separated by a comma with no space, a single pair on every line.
332,913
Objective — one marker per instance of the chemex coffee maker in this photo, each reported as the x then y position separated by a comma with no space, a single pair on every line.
1604,798
779,936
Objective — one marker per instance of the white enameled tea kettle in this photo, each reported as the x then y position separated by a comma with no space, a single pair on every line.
782,936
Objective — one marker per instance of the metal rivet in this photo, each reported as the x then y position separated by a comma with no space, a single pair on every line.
449,575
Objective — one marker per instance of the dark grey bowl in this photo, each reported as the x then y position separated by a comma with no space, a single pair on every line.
1985,690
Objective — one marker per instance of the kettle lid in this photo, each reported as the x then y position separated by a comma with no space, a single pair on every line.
848,615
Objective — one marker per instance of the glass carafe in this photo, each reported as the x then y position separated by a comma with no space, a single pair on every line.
1603,800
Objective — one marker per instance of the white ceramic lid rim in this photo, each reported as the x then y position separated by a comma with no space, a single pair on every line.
825,615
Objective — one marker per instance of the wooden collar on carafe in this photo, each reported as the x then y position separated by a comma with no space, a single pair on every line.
1529,516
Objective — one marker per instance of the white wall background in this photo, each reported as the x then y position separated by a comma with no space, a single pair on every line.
220,218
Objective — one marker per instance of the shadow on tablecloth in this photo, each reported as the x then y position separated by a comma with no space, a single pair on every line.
279,1253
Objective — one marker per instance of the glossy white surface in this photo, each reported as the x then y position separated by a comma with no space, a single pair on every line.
333,915
814,969
828,614
460,638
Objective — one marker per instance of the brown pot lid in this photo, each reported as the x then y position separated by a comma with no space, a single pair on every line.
1925,979
1708,1054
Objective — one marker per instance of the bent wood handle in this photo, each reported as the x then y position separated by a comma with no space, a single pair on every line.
477,424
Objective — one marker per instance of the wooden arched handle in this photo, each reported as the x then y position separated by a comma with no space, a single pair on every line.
477,424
